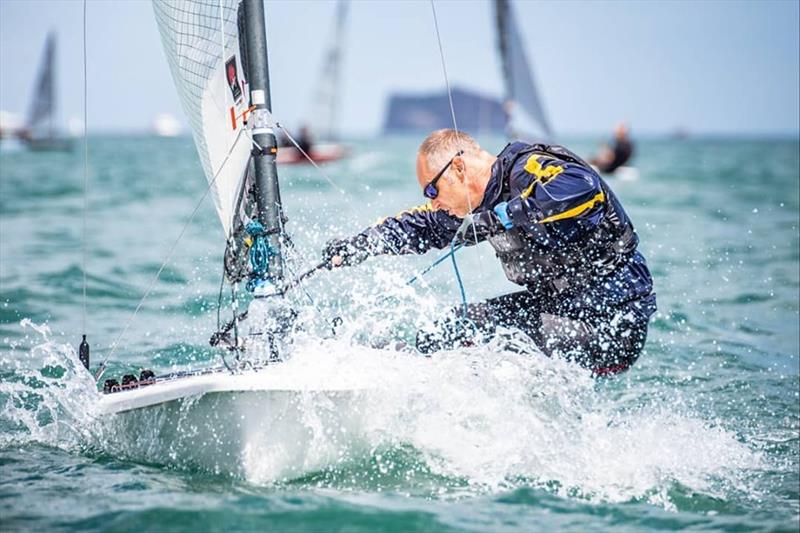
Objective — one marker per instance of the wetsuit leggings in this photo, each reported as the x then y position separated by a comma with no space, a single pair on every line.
606,344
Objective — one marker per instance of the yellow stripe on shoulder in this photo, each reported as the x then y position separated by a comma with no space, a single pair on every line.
427,206
541,173
575,211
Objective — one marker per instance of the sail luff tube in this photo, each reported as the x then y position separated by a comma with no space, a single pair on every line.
268,198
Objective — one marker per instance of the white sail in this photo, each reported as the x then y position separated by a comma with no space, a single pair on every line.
520,86
201,41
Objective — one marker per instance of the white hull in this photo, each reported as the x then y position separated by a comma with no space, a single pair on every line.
255,425
627,173
266,379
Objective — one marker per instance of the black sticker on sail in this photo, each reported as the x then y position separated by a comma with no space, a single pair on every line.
233,78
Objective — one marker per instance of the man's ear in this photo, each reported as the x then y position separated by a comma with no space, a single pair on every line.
459,168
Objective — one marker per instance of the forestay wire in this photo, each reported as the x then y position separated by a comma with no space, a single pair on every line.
455,128
84,251
444,68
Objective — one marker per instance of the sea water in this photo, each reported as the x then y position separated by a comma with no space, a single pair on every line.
703,432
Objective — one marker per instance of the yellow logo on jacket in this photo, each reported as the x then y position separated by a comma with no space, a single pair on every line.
542,174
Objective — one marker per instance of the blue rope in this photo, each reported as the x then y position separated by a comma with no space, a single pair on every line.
458,277
436,263
452,255
259,255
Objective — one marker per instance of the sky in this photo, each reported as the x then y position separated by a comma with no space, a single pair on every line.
709,67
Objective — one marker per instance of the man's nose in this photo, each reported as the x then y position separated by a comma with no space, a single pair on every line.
435,203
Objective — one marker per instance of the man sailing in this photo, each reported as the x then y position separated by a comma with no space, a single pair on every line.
557,229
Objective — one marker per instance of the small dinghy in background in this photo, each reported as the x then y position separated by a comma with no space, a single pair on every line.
325,106
40,133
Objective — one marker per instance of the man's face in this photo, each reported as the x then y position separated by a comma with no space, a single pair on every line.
452,196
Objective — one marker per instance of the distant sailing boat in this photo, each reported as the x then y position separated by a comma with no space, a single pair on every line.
40,131
522,100
327,103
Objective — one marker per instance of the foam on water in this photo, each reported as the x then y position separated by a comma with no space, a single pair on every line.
45,393
479,419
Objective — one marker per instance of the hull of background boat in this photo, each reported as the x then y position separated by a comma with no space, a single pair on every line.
49,145
623,173
321,153
246,425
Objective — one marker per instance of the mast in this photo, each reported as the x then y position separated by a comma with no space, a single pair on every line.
501,18
268,196
51,89
519,82
334,64
42,111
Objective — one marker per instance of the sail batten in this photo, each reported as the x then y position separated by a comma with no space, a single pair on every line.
518,77
203,49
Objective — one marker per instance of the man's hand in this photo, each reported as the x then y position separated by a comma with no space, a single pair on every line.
501,210
484,224
342,252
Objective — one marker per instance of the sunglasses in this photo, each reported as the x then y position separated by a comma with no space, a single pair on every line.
431,191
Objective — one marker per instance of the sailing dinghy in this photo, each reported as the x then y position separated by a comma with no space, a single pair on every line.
40,132
523,105
326,103
217,53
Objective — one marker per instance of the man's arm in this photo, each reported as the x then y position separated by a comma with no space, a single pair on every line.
414,231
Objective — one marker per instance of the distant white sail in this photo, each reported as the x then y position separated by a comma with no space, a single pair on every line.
520,86
41,118
201,41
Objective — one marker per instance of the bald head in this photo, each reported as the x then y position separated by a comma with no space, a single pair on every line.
441,145
462,178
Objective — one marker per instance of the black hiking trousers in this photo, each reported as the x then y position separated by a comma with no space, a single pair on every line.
606,342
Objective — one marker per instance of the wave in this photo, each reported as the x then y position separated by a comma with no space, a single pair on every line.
472,421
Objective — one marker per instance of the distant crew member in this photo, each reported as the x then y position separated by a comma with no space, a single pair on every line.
557,229
611,158
304,139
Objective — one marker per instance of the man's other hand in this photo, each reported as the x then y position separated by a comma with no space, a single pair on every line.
342,252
